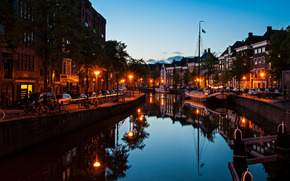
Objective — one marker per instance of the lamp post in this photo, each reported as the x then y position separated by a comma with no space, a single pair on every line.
97,80
262,75
130,77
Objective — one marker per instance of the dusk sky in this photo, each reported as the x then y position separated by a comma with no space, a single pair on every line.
157,30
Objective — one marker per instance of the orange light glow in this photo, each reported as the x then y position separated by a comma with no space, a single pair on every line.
197,79
151,80
97,164
141,118
262,74
244,78
197,111
150,100
162,81
130,134
139,110
162,102
97,72
130,76
243,120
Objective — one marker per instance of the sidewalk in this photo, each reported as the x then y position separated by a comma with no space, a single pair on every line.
278,102
18,112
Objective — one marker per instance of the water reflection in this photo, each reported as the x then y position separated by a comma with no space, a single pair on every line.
184,140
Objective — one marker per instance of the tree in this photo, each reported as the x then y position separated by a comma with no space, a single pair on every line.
176,78
226,76
186,77
240,66
88,55
155,74
52,23
216,78
10,26
116,58
138,67
279,56
209,65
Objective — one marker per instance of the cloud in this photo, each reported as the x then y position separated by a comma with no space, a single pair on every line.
177,53
168,60
176,58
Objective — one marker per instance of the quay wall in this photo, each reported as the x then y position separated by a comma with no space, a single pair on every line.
20,133
271,112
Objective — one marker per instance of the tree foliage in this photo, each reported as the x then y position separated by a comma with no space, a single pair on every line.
209,65
138,67
240,66
280,53
186,77
52,23
226,76
176,79
10,26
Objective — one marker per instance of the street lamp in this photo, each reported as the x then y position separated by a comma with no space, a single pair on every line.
262,75
130,77
97,80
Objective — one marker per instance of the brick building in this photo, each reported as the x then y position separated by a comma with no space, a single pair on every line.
23,71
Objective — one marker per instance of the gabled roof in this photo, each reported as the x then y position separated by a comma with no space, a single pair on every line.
268,34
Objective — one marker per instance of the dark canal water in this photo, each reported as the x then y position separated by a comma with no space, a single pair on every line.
170,140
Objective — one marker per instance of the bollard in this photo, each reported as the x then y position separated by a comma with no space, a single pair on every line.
239,153
282,138
247,176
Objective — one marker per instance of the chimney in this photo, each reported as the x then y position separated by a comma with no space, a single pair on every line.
250,34
269,28
208,50
205,51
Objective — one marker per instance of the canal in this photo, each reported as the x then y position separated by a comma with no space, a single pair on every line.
166,138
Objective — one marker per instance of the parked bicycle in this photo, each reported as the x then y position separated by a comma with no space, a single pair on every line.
53,106
84,104
35,109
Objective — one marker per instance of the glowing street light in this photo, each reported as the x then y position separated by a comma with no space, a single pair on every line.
244,78
130,76
262,75
97,164
197,111
97,73
130,134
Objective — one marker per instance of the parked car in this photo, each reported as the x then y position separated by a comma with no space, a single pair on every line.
245,90
92,94
64,99
78,96
260,90
229,89
99,93
106,92
251,91
36,98
112,92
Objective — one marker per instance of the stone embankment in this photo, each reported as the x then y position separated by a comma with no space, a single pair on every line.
274,111
23,132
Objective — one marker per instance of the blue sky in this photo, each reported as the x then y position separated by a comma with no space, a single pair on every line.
158,30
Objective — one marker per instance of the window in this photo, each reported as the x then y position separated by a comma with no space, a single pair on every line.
263,60
259,60
255,60
256,51
263,49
